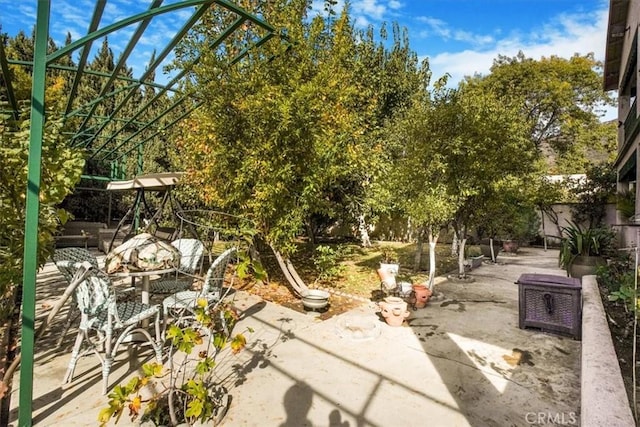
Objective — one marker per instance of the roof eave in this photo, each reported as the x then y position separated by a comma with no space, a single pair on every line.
616,31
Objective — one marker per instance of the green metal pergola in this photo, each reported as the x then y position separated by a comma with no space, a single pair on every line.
111,137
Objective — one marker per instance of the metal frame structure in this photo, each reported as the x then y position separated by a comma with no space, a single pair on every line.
96,133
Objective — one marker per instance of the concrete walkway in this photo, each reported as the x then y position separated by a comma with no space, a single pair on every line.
461,361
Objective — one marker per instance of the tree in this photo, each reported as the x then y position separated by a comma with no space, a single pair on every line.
594,193
560,100
290,134
484,143
416,179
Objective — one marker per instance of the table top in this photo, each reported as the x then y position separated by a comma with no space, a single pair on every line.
143,273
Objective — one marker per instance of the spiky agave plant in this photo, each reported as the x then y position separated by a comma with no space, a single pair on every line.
578,241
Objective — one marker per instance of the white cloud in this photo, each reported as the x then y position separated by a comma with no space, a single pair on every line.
371,8
567,35
439,28
363,12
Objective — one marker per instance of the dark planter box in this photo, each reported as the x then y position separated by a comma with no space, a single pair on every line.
550,303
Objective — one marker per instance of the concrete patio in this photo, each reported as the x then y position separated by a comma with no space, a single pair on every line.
461,361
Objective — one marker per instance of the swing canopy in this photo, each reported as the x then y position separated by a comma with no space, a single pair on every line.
153,181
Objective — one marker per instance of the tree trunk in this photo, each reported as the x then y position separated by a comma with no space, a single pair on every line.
454,245
290,273
312,237
408,235
417,259
461,234
493,252
553,217
364,234
433,240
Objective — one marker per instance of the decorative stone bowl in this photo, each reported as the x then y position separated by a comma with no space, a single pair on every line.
315,299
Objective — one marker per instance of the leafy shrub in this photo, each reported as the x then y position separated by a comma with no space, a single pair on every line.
186,391
61,169
615,272
389,255
326,261
618,277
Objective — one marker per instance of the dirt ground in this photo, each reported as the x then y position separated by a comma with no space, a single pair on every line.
621,327
282,295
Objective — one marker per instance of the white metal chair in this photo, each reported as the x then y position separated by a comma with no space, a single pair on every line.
112,322
191,255
67,261
211,288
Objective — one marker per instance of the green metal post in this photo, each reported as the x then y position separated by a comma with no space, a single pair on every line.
140,162
30,263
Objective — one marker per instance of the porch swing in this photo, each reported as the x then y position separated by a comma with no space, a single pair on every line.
162,183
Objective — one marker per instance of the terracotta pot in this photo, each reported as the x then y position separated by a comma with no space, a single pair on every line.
510,246
423,293
394,310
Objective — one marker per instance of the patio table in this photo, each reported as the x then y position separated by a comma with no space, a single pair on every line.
145,275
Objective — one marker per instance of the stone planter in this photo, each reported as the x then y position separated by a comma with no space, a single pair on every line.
584,265
475,261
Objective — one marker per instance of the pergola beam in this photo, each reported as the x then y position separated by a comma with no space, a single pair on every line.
85,135
174,41
158,117
122,60
32,213
93,26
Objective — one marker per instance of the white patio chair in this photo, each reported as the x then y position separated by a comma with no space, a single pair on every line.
112,322
67,261
191,255
211,290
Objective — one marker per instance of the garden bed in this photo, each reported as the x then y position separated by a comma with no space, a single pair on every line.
621,326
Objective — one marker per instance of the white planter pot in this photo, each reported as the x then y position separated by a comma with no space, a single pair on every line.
391,268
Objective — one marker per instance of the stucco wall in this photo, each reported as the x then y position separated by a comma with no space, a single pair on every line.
563,210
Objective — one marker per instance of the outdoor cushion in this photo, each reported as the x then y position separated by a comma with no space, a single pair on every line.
142,252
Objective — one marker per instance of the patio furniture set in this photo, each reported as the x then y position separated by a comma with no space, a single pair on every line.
110,317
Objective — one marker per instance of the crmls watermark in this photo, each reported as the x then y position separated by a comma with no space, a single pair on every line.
551,418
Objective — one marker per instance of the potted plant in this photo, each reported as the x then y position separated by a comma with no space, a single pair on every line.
520,228
583,249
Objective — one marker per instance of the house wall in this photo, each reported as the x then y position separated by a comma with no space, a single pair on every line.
628,234
563,212
625,104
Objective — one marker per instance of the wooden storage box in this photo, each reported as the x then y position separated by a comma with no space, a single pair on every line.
551,303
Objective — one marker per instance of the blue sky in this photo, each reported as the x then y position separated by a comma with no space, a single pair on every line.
463,37
460,37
